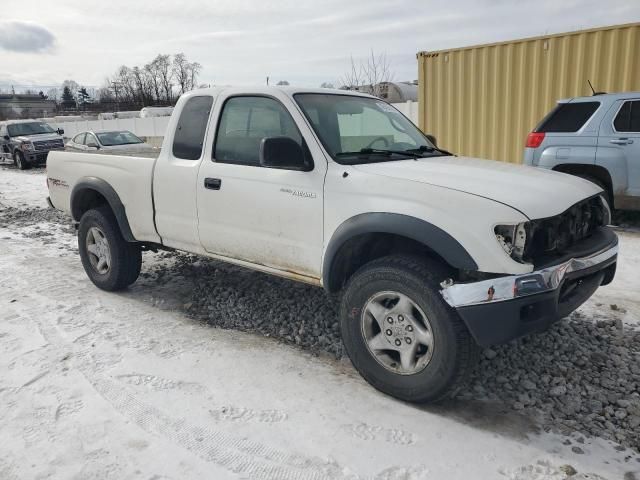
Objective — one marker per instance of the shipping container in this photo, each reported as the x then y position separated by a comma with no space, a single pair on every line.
482,101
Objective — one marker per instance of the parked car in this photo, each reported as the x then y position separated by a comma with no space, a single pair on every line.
28,142
108,140
596,138
432,254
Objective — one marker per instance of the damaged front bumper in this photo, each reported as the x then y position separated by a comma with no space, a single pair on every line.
503,308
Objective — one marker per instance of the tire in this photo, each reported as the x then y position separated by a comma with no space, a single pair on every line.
443,367
20,161
99,227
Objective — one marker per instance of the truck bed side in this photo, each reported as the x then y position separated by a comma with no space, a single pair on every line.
130,177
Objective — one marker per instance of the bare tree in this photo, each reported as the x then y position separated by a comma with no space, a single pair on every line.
53,94
369,75
164,72
106,94
194,70
353,77
151,70
180,68
377,72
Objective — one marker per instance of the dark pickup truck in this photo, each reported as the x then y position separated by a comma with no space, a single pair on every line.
28,142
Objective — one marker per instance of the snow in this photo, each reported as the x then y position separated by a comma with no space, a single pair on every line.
102,385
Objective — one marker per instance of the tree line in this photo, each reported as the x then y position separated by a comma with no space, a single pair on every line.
159,82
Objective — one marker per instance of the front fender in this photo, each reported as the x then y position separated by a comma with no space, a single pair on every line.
414,228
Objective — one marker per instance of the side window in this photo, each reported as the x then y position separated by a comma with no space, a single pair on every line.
568,117
79,139
628,117
244,122
189,136
90,139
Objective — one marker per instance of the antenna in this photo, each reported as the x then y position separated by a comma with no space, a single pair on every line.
593,90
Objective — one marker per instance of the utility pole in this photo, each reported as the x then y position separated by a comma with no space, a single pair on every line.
115,90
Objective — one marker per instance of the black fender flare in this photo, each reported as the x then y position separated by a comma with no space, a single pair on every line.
414,228
107,191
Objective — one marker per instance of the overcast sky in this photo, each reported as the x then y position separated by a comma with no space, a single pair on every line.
243,41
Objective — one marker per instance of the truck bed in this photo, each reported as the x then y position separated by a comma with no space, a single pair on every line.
130,177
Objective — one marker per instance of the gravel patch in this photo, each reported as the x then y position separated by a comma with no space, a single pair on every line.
26,217
237,298
582,377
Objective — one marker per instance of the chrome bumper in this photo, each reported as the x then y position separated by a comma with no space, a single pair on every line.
501,289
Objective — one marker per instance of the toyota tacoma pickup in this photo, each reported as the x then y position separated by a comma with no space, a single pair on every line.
433,254
28,142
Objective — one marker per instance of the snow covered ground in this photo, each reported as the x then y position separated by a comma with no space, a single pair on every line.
124,386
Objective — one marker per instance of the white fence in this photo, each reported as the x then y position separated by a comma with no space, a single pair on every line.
156,126
410,110
143,127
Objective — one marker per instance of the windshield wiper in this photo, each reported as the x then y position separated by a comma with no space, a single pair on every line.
380,151
425,149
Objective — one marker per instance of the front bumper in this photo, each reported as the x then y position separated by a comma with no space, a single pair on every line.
503,308
38,157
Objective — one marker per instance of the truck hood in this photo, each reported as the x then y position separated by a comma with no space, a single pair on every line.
38,137
536,192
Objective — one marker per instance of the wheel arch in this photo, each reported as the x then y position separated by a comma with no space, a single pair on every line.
596,171
92,191
368,236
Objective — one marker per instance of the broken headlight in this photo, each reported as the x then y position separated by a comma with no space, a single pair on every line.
512,239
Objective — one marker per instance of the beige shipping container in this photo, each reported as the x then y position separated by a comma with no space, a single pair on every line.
483,101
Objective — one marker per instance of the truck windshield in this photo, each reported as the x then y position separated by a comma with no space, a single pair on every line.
109,139
29,128
356,129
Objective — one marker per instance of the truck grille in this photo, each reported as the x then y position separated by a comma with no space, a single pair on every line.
553,237
46,145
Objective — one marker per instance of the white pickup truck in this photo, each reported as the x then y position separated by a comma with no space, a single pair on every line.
433,254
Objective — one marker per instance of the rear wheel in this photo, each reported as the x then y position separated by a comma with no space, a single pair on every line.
20,161
401,335
109,260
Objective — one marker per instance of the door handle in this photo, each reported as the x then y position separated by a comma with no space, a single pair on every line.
212,183
621,141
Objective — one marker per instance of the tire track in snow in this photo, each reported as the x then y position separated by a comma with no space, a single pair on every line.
242,456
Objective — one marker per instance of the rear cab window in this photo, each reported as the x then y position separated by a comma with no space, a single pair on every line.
567,117
192,124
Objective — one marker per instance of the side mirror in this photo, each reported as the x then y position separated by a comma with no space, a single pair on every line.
282,152
432,139
93,145
7,138
60,131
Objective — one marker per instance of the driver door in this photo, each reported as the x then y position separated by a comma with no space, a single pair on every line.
266,216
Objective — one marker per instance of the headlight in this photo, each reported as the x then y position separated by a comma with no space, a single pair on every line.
512,239
27,146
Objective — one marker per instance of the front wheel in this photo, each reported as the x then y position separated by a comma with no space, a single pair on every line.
20,161
400,334
110,262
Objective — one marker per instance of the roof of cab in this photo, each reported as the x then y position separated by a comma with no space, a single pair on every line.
266,90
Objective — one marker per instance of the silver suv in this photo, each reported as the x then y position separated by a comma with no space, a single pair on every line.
597,138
